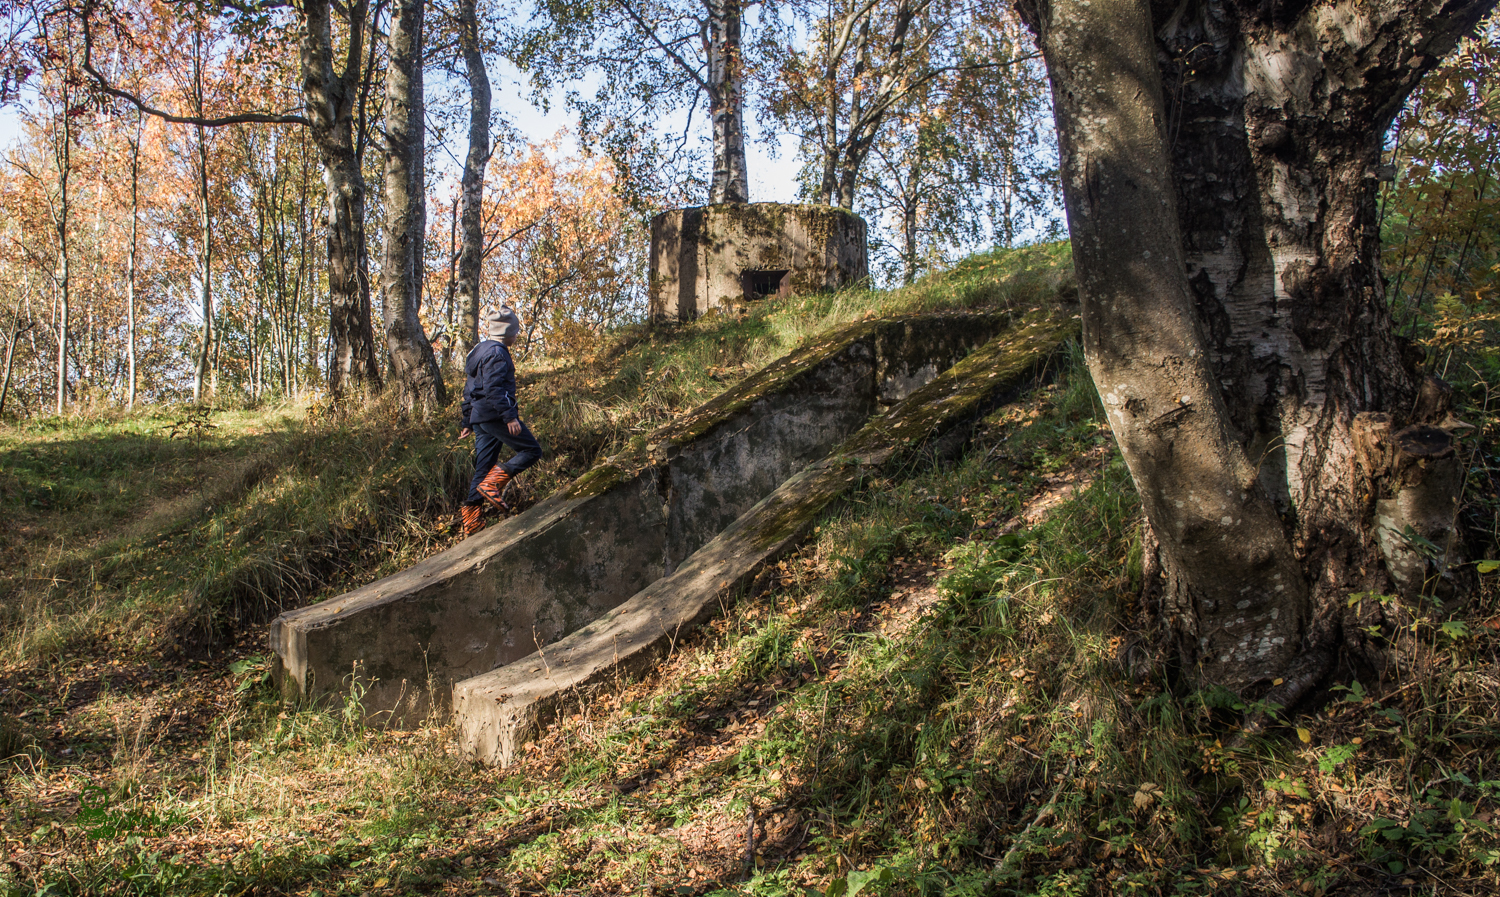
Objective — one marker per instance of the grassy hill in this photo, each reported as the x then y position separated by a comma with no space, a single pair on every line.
934,696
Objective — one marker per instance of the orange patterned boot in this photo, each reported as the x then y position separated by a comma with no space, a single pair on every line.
492,487
472,517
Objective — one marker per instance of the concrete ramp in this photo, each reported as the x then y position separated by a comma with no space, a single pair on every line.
521,585
497,711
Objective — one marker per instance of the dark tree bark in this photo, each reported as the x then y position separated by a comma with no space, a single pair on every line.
471,255
1219,167
726,101
16,329
413,364
332,98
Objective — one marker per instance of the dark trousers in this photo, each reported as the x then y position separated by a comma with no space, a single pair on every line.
488,437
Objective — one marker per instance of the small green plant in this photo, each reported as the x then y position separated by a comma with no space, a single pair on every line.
855,881
196,423
250,672
101,818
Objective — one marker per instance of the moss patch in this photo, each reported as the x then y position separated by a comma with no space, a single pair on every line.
995,367
781,375
965,391
598,480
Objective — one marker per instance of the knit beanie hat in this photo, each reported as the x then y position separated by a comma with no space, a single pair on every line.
502,323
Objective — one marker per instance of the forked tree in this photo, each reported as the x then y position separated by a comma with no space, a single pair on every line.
335,96
1220,162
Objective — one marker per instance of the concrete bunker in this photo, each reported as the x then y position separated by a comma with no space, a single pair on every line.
520,586
497,711
727,255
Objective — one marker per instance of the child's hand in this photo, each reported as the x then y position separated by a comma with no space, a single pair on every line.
514,427
464,433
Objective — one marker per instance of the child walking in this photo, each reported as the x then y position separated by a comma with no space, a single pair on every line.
489,411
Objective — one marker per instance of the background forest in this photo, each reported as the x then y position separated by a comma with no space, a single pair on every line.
150,257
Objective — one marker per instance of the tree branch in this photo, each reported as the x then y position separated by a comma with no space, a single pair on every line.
102,83
672,54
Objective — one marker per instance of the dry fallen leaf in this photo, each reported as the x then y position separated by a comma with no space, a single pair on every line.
1146,795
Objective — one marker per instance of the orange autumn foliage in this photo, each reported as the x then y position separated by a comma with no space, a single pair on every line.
561,247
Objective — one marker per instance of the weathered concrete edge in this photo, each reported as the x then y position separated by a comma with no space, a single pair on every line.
287,632
496,712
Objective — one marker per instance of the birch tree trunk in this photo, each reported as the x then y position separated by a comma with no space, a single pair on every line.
63,288
1226,554
1234,320
205,230
62,154
306,274
909,239
413,364
130,258
10,353
205,273
471,255
331,99
726,101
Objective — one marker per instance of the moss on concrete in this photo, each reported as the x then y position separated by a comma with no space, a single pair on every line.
986,377
1003,363
886,337
815,491
600,479
780,375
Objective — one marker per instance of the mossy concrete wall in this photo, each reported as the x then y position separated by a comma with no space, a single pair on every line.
496,711
701,257
519,586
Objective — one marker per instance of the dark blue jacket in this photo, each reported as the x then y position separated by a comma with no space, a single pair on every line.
490,390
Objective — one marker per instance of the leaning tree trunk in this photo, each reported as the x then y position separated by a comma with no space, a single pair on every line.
852,162
1227,561
726,99
330,100
471,223
413,364
1234,320
10,354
